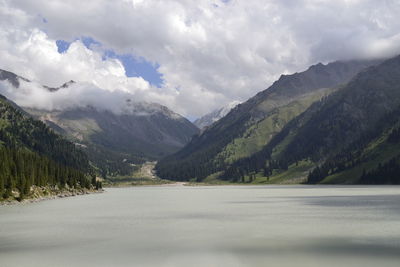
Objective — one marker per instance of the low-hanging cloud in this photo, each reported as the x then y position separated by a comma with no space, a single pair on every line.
76,95
209,52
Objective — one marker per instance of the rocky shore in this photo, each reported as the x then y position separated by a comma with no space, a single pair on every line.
46,193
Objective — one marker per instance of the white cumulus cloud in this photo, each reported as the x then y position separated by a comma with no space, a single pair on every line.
209,52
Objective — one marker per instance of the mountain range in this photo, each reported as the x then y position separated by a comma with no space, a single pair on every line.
329,124
333,123
115,141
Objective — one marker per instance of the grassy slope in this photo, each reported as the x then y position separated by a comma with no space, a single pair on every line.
213,179
259,134
142,175
296,174
378,151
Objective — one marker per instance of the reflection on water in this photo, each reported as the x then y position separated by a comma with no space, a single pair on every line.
207,226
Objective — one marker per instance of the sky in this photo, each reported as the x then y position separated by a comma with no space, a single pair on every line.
191,56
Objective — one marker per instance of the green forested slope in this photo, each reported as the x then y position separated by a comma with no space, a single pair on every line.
115,140
32,154
260,133
251,125
375,161
343,136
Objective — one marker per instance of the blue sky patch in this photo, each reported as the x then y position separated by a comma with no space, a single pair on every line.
89,41
138,67
62,46
134,66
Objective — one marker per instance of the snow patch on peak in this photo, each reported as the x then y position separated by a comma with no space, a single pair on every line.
148,109
215,115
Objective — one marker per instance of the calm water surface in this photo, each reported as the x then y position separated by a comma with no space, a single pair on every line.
207,226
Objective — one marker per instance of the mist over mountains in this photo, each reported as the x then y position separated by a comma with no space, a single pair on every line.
117,91
225,133
71,95
204,54
262,137
115,130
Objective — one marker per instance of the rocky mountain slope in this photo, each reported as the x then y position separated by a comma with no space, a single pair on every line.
115,141
249,127
351,136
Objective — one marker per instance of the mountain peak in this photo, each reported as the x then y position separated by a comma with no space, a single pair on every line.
125,129
11,78
63,86
215,115
246,129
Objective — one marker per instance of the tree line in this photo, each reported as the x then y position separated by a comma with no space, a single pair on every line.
32,154
20,169
388,173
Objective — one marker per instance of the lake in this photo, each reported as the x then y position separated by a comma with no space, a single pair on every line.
207,226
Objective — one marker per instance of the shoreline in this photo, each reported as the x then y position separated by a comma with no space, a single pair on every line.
52,195
123,185
80,192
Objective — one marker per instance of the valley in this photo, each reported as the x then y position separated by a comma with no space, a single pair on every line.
309,127
144,175
258,140
217,133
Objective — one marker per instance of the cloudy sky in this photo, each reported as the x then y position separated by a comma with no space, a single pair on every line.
192,56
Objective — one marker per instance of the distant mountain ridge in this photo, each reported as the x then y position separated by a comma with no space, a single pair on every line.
15,79
215,115
149,129
114,141
351,136
247,129
12,78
